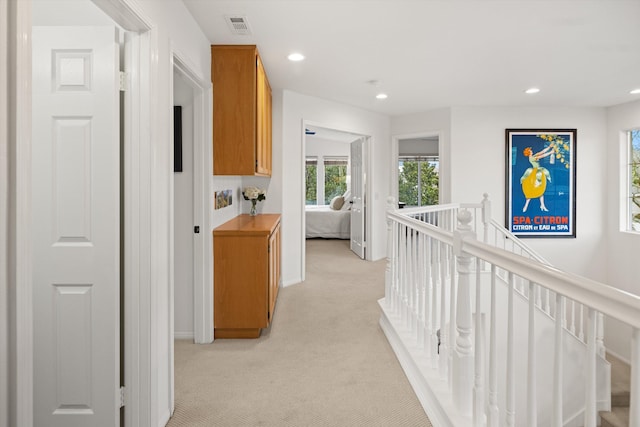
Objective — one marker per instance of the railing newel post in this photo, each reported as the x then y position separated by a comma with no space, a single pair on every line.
462,366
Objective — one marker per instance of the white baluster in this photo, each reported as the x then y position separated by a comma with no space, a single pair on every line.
444,344
493,415
558,371
581,324
572,328
435,280
590,410
532,407
419,291
403,279
511,379
394,270
428,289
462,359
478,384
634,406
388,270
453,295
547,305
412,281
600,336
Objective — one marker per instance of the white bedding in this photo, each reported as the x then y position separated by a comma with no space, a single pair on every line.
322,221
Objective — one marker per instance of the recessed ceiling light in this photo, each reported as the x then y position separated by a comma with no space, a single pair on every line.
296,57
635,92
381,96
532,90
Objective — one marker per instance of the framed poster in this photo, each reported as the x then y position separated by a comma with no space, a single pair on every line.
541,182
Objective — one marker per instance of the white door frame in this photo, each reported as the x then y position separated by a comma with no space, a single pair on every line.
140,102
394,162
4,218
202,242
368,186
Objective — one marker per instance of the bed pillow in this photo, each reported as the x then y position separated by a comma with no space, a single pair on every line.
336,203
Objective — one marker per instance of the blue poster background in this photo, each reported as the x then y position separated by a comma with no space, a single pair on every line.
557,219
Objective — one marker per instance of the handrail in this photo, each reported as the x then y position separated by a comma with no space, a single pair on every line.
432,254
606,299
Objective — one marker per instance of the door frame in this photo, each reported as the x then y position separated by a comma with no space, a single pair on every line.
141,49
202,242
395,146
368,186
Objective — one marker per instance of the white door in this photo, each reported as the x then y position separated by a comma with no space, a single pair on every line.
357,198
76,226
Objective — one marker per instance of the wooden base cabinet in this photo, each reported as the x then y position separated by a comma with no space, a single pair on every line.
246,276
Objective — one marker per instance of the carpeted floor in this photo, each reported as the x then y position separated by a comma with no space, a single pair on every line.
323,362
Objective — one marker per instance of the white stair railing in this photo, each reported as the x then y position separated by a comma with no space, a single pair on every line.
437,267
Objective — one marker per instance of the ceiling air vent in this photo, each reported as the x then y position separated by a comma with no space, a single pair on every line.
238,25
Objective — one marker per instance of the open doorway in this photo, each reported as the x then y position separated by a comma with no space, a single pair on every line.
335,166
416,170
192,293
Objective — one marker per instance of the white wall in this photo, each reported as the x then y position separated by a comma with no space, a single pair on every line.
478,162
473,143
295,109
177,33
621,257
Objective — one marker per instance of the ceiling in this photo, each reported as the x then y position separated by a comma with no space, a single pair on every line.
428,54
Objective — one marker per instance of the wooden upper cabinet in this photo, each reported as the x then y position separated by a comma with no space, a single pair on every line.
241,111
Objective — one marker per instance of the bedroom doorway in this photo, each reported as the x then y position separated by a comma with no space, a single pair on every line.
332,210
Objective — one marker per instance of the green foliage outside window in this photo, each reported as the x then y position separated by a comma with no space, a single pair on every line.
311,182
335,181
418,182
634,185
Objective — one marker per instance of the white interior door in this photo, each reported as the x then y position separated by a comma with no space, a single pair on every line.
76,226
357,198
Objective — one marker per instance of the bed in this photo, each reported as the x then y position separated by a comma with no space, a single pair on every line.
322,221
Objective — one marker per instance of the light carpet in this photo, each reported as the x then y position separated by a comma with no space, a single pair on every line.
323,362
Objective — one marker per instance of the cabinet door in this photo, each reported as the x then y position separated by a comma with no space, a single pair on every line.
240,276
233,74
274,270
263,119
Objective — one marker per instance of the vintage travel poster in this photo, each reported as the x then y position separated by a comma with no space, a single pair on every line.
540,182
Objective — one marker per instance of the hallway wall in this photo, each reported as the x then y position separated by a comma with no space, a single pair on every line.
474,159
332,115
621,258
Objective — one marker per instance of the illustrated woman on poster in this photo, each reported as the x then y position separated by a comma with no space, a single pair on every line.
534,179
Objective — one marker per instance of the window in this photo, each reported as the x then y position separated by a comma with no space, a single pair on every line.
418,180
335,177
633,138
311,181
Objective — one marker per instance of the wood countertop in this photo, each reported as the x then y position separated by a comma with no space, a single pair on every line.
247,225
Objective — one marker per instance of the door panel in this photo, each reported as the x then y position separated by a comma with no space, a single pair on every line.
358,201
76,226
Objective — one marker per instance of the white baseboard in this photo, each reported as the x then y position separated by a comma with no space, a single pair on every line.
183,335
431,390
